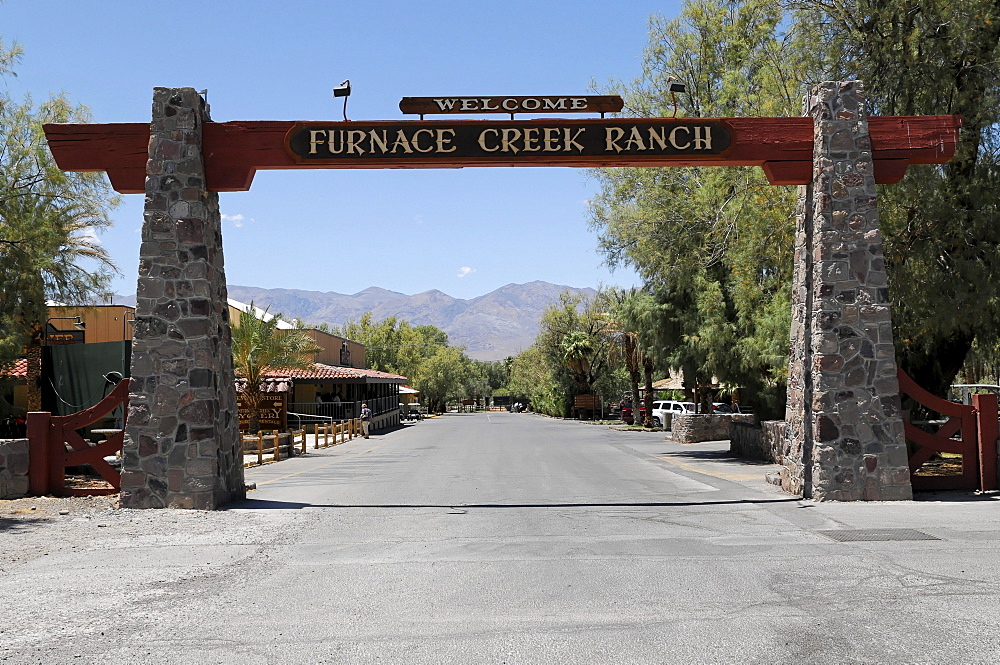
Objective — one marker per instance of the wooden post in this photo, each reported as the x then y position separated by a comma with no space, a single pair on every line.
987,433
302,433
316,434
56,447
260,449
38,451
277,449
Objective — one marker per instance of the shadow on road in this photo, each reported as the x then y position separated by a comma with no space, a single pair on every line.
715,455
255,504
956,496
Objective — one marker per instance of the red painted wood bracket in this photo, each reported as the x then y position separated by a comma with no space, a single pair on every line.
977,427
235,151
50,436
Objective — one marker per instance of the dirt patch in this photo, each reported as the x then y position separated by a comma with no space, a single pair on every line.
44,507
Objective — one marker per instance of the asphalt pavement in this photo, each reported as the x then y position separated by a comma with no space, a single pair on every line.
510,538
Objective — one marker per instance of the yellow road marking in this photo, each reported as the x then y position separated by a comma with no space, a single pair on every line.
333,461
724,476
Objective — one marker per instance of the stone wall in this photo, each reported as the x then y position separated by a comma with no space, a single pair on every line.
13,468
182,446
845,432
692,428
766,442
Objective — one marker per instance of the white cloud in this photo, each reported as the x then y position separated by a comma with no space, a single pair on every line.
465,270
237,220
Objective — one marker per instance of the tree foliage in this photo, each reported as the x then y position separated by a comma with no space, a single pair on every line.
392,344
570,357
49,224
713,246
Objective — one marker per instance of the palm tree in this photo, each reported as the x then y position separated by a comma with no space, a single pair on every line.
48,241
577,349
625,347
259,347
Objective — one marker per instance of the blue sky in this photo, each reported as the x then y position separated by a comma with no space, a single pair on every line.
463,231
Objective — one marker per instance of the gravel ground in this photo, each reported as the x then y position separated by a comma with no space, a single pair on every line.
41,523
37,526
67,565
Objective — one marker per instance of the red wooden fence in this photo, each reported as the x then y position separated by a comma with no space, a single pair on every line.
977,430
55,444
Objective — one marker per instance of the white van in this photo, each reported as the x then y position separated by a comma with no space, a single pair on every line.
663,407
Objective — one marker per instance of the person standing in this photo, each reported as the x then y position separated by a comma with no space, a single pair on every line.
366,420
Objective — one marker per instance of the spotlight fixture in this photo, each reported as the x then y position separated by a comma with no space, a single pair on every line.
673,87
343,90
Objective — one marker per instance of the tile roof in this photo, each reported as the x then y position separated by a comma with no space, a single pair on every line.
19,369
323,371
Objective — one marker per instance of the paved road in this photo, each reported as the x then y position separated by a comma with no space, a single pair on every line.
511,538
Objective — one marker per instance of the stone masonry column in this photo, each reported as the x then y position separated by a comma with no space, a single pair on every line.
182,443
844,420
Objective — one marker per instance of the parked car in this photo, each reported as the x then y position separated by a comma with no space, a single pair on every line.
663,407
626,413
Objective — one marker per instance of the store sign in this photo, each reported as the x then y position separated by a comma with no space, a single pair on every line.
507,141
519,104
272,413
57,337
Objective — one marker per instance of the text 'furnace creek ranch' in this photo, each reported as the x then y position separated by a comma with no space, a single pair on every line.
315,142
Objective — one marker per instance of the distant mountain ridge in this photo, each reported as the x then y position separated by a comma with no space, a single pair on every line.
493,326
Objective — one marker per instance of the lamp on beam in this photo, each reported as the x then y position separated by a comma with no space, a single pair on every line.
673,87
343,90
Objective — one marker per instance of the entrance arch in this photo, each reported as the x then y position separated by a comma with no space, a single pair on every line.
182,445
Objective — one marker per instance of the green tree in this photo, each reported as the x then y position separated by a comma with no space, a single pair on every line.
532,380
712,245
392,344
443,377
49,223
260,347
573,349
625,348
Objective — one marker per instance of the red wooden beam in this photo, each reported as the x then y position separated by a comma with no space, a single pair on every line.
235,151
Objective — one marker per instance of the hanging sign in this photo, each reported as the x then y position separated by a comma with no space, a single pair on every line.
519,104
505,141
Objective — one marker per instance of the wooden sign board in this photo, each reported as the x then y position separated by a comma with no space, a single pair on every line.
273,413
507,142
518,104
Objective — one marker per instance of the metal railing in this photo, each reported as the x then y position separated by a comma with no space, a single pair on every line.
339,411
308,418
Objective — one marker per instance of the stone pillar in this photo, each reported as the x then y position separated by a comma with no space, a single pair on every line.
845,429
182,443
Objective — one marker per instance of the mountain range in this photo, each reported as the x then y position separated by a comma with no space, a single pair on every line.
493,326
